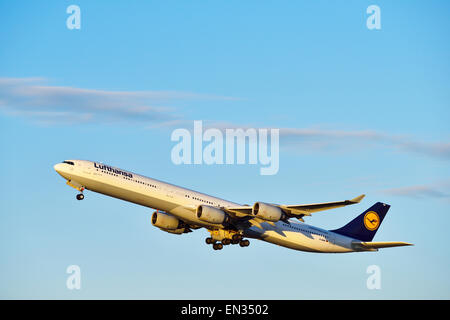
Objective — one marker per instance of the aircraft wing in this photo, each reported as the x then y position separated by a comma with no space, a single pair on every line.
307,209
296,211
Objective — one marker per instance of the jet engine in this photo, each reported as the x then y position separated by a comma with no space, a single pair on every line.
211,214
166,221
267,212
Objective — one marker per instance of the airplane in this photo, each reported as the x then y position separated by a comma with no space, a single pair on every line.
180,210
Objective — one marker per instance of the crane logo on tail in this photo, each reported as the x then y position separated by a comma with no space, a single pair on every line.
371,220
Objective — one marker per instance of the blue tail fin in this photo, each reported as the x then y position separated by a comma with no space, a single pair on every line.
366,224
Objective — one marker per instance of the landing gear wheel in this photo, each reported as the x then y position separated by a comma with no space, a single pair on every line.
244,243
226,241
236,237
217,246
80,196
209,241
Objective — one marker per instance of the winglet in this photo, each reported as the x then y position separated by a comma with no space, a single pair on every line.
358,199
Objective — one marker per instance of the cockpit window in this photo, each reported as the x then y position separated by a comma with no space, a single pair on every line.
69,162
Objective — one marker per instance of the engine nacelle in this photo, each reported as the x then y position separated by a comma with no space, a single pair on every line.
166,221
176,231
267,212
211,214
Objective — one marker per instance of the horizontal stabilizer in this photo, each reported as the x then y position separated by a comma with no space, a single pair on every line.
377,245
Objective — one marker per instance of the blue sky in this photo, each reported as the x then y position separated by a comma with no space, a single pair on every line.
359,111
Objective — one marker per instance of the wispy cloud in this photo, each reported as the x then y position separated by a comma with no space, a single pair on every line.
323,139
33,98
437,190
338,141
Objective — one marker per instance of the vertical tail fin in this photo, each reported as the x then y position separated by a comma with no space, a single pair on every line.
366,224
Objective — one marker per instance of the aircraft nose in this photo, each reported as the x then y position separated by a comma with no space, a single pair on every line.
58,167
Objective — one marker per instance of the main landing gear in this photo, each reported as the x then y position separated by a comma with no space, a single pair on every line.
216,246
244,243
226,241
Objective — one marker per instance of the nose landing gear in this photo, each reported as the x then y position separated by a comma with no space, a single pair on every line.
77,186
80,196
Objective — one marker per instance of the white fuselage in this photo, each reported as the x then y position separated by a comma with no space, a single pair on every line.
180,202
